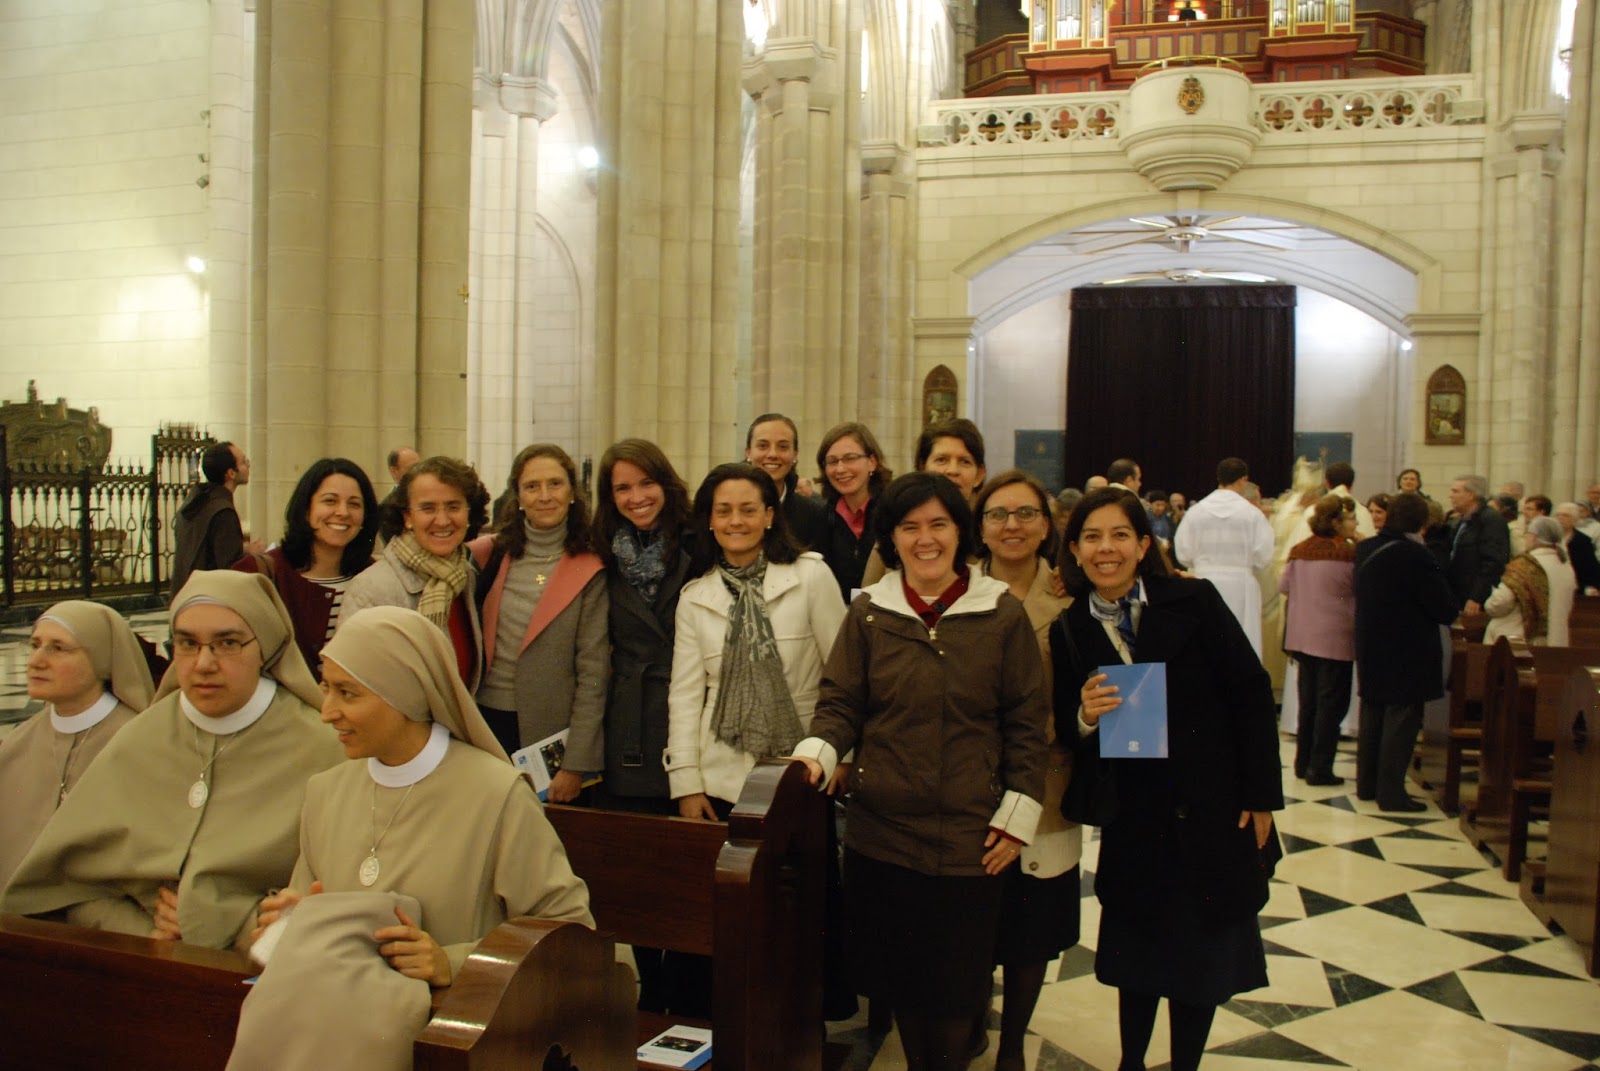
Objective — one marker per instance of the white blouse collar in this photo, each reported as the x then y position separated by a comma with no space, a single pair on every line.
243,718
409,773
88,719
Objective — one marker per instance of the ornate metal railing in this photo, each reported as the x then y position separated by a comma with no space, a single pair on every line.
94,532
1367,106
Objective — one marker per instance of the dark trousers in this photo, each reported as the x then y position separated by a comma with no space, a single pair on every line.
1383,750
1324,701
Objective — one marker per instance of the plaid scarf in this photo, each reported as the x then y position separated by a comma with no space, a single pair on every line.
446,578
755,712
1524,578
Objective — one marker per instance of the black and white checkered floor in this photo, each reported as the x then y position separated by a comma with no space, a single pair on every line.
1391,944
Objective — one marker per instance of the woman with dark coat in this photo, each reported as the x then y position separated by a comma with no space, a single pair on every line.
854,477
1186,841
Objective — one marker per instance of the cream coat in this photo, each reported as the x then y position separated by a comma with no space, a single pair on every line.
805,609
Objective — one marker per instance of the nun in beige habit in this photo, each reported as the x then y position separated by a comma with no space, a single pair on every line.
190,814
87,666
415,852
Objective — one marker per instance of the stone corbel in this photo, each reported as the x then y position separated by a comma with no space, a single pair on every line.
891,159
1539,132
1438,324
794,59
531,98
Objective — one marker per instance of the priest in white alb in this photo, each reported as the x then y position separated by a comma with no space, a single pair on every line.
1225,538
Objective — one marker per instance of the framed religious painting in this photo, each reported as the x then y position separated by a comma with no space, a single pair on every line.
938,396
1446,413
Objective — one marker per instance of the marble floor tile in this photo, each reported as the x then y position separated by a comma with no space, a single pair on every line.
1283,902
1490,879
1559,954
1330,825
1351,876
1386,949
1477,914
1399,1030
1080,1017
1429,851
1297,980
1549,1003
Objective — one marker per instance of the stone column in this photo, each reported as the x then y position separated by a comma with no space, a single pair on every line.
888,266
358,330
667,287
804,331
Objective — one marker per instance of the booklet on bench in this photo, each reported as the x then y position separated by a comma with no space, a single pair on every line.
677,1046
542,760
1138,728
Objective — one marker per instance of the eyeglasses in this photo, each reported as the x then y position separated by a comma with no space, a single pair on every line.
52,649
842,459
226,647
999,515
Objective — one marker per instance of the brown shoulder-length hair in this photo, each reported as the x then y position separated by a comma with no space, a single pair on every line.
869,444
1047,549
512,538
650,460
1072,575
453,472
1325,514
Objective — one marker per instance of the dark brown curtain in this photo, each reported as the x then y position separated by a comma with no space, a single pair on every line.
1178,378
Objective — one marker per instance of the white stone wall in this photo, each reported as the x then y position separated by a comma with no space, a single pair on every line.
100,137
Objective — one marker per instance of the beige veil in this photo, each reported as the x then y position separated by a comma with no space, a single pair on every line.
252,597
113,649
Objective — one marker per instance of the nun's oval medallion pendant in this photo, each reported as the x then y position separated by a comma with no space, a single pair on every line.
198,794
369,870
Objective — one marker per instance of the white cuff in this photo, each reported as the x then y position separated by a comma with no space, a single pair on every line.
683,776
1084,728
814,747
1017,816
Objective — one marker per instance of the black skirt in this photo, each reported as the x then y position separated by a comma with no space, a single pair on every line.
1038,916
1181,956
922,943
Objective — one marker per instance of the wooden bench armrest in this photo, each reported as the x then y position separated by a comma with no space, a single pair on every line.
532,986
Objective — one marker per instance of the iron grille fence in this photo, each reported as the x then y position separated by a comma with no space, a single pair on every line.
95,533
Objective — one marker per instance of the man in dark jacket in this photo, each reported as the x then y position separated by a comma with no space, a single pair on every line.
391,518
207,530
1402,599
1480,543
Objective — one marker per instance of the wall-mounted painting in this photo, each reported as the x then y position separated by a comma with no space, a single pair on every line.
1446,414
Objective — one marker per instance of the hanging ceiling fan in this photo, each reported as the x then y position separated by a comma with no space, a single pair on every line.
1183,230
1189,275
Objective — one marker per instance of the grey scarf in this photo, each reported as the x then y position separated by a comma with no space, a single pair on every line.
754,712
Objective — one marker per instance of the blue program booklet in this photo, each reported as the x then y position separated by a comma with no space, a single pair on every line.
1138,728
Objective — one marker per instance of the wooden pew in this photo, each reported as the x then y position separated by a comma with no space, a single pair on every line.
748,893
1508,703
1449,742
73,997
1571,892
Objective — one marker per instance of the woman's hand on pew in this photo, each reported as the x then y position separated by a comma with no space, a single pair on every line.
696,805
166,927
413,952
841,775
813,769
276,905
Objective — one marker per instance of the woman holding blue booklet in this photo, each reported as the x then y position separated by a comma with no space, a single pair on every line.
1187,843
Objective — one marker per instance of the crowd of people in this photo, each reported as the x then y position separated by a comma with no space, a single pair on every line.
934,648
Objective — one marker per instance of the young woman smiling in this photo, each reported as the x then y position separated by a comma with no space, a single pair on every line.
753,629
543,598
1186,853
426,567
641,533
87,667
937,684
426,808
1039,917
330,524
852,465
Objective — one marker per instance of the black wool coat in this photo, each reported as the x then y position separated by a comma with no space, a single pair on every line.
1402,597
1174,842
1480,546
641,671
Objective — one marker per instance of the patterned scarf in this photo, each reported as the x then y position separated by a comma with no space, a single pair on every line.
641,559
446,577
754,712
1524,578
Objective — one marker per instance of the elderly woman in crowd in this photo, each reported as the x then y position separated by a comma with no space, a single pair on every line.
426,568
330,525
1533,600
1319,584
544,619
86,665
188,817
1579,548
1187,844
431,812
936,682
1039,918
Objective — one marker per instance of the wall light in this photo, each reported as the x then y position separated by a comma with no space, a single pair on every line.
1405,345
197,265
588,157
